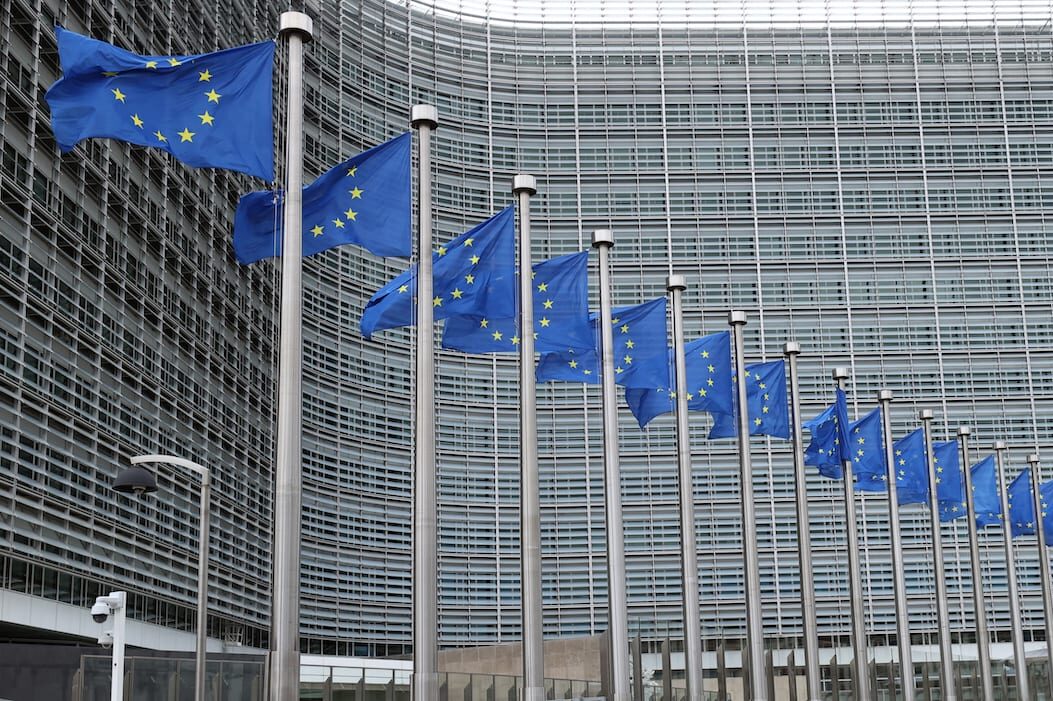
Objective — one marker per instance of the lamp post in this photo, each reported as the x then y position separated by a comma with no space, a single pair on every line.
138,480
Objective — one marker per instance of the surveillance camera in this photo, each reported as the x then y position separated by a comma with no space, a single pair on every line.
100,612
106,639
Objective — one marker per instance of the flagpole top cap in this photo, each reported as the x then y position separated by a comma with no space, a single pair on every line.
791,348
676,282
925,414
737,318
424,116
884,395
296,22
602,237
1032,459
1000,445
964,430
840,373
524,183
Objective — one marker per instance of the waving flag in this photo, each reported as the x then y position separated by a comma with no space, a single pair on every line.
208,110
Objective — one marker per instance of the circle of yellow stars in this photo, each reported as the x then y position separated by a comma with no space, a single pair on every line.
542,322
347,216
469,277
185,136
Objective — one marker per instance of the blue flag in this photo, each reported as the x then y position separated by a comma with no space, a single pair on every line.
1021,505
766,404
365,200
867,451
472,275
950,484
1045,493
829,437
207,110
986,504
641,356
912,469
708,364
561,314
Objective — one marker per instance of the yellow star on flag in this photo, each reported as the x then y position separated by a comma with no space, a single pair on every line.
206,118
186,135
317,230
356,194
204,75
118,95
136,121
213,96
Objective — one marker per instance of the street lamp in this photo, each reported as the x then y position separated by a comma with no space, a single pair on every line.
138,480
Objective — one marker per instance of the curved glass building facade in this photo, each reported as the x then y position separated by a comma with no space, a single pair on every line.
875,188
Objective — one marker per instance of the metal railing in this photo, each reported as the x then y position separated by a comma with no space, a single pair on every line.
172,679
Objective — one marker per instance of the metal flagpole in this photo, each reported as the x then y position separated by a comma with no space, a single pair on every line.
983,640
804,537
297,28
523,186
906,660
1043,563
676,285
1019,657
948,692
860,675
425,119
617,624
754,622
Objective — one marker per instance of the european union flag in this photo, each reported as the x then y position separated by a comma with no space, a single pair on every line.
472,275
867,452
829,436
1045,493
912,469
365,200
207,110
708,364
1021,505
986,504
561,314
641,356
766,404
950,487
